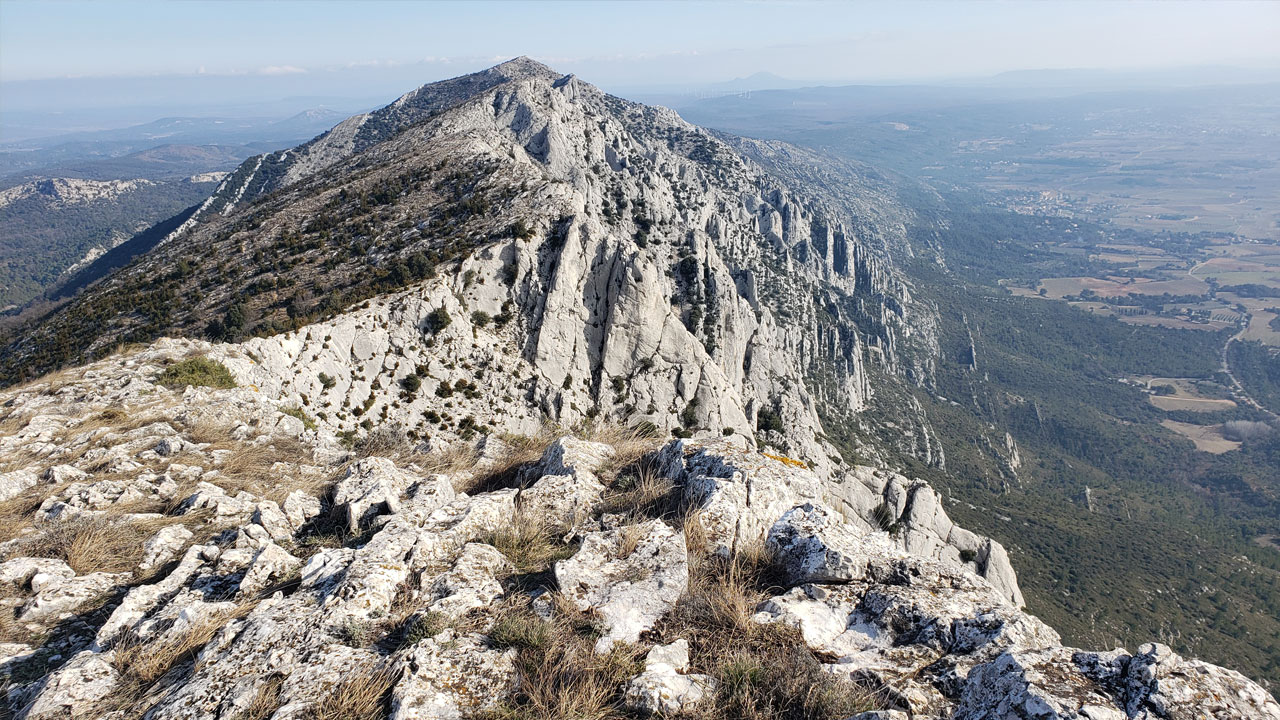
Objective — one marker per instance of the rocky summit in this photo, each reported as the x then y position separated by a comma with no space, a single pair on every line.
518,400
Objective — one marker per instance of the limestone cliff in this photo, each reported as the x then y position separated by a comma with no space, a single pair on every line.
613,260
184,551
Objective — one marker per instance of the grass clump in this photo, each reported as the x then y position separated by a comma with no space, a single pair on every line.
364,695
531,544
559,673
763,671
307,421
266,702
200,371
94,544
142,664
522,631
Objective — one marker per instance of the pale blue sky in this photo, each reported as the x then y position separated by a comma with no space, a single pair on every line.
630,42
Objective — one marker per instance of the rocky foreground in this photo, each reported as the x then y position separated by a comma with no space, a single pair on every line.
179,544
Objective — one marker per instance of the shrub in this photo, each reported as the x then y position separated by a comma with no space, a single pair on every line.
689,416
480,318
1245,430
327,382
200,371
521,230
437,320
307,421
767,419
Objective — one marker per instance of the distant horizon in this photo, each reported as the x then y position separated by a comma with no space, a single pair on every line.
631,43
110,103
75,66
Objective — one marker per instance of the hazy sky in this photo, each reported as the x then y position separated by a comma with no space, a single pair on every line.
630,43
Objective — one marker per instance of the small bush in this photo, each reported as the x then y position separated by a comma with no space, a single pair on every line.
307,421
436,321
767,419
411,383
423,626
521,229
480,318
200,371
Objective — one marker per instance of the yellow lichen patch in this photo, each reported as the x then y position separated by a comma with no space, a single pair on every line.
786,460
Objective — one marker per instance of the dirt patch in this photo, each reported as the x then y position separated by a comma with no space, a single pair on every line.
1268,541
1186,395
1168,402
1208,438
1106,287
1173,322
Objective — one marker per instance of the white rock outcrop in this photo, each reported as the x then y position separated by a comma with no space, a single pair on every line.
631,575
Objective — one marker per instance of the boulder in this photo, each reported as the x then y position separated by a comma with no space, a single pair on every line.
664,688
20,570
472,582
161,547
630,575
75,689
1162,684
62,596
450,677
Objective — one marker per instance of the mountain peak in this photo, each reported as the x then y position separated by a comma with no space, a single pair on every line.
524,66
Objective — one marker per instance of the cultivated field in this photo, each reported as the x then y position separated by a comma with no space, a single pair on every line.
1189,394
1208,438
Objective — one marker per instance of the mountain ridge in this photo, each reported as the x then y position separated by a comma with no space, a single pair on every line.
495,255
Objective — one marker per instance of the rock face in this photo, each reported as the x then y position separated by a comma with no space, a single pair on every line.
369,512
589,257
239,576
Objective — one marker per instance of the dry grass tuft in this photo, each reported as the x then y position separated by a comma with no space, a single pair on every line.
20,460
521,451
266,702
695,534
560,675
12,422
88,545
363,695
249,465
99,544
764,671
530,543
17,512
641,491
453,459
142,664
629,537
629,444
385,441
